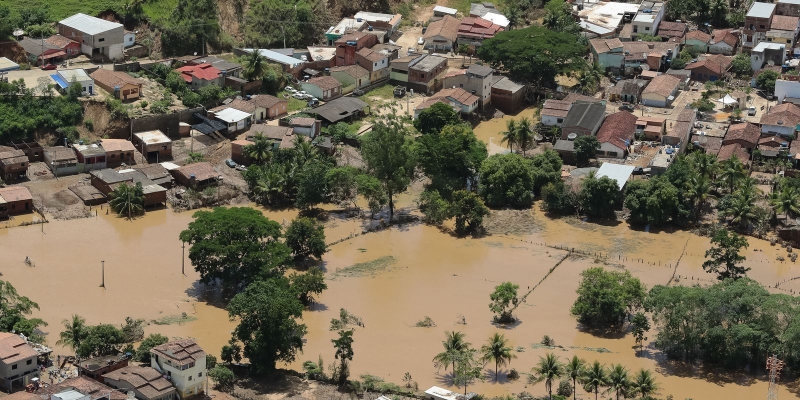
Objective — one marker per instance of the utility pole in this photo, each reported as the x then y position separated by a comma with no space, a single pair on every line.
774,365
183,259
103,276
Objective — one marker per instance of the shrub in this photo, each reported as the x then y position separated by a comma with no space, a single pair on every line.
223,377
89,124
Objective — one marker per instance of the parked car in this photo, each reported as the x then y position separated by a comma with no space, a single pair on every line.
751,111
421,40
399,91
312,103
241,167
290,89
231,163
48,67
300,96
358,92
626,107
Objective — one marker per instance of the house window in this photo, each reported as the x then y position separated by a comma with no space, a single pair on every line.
761,27
102,40
199,374
15,365
29,362
647,28
190,377
560,120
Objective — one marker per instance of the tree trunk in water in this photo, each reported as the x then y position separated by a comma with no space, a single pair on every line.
495,371
391,211
574,389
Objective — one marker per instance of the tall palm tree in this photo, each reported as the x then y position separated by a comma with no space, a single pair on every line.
304,150
128,200
705,164
255,66
510,134
497,350
787,201
525,139
260,151
596,377
644,384
548,370
74,332
741,209
454,345
618,381
576,369
698,188
731,172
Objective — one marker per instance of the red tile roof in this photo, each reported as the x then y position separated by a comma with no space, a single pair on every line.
325,82
667,29
734,149
112,79
717,64
555,108
786,114
116,145
746,132
479,28
662,85
183,351
10,194
617,128
265,100
724,35
60,41
457,94
83,385
772,141
201,71
698,35
446,27
12,347
372,55
784,23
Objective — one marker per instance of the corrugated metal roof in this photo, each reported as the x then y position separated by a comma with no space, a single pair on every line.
761,10
231,115
617,172
277,57
88,24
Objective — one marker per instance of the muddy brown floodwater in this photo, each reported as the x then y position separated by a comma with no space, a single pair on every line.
489,131
420,272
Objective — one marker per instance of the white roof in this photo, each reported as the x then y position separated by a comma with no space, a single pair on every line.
88,24
617,172
79,75
151,137
7,65
319,53
498,19
231,115
372,16
768,46
788,1
607,14
441,394
761,10
70,395
445,10
344,25
599,30
170,166
277,57
728,100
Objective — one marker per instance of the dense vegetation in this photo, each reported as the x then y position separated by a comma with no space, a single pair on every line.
22,112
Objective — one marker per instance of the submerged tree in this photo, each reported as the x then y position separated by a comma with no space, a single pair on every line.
504,299
309,284
596,377
127,200
344,353
724,258
468,368
306,238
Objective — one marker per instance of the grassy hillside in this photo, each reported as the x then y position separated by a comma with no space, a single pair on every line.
156,10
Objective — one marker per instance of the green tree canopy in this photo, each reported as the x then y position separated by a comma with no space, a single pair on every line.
128,200
300,23
267,312
434,118
766,80
308,285
450,158
143,352
599,196
507,180
344,353
504,300
192,25
585,148
655,201
606,298
498,351
14,311
534,55
740,65
724,257
100,340
306,237
546,169
234,246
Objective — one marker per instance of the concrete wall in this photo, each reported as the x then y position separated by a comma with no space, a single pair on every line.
167,123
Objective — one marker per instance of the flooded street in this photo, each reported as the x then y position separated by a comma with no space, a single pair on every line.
489,131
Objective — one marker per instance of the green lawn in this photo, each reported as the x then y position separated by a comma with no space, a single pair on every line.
294,104
156,10
384,92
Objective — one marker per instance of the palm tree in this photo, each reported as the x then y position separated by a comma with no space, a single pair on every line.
548,370
595,378
644,384
618,381
510,134
699,191
718,10
463,49
524,134
304,150
787,201
454,345
74,332
703,163
731,172
260,151
497,350
128,200
255,66
575,368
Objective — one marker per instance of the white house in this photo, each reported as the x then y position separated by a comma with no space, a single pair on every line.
130,38
765,52
18,361
236,120
465,101
66,77
616,134
723,41
96,36
787,91
661,91
648,17
781,120
184,364
554,112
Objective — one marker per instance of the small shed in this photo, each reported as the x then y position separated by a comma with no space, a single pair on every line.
61,160
155,145
234,119
90,156
617,172
15,200
197,175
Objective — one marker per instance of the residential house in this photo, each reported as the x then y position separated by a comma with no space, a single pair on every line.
8,65
383,22
41,52
608,53
225,67
474,30
197,76
154,145
648,17
784,29
345,26
32,150
14,200
480,9
606,19
429,102
197,176
441,11
323,87
616,134
628,90
118,151
309,127
80,388
18,360
234,119
745,134
391,51
679,131
68,77
145,382
652,54
507,95
288,64
787,91
788,7
95,367
351,77
120,85
13,165
375,61
651,128
62,161
238,153
671,31
554,111
772,146
566,150
698,40
97,37
106,180
583,119
709,144
723,41
157,173
70,47
441,35
398,69
184,364
476,79
733,150
274,134
661,91
781,120
764,52
242,105
465,101
341,109
90,157
273,107
757,22
348,45
425,74
711,68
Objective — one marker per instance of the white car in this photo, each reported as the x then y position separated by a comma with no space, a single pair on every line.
303,92
421,40
299,96
290,89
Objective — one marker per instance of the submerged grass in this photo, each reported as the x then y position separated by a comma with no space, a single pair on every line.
173,319
368,268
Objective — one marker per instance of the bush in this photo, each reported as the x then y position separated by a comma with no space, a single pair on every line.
89,124
143,352
306,237
211,361
143,104
565,388
223,378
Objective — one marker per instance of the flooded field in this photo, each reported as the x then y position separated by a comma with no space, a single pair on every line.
489,131
422,273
